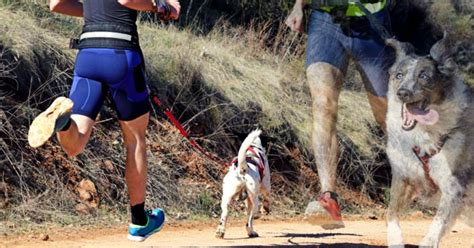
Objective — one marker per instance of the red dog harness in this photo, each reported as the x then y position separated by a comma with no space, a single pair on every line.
425,160
250,159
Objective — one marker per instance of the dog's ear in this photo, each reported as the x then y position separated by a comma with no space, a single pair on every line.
442,52
402,49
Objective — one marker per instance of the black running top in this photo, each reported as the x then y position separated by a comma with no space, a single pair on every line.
110,11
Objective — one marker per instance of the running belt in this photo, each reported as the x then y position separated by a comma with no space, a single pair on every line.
107,35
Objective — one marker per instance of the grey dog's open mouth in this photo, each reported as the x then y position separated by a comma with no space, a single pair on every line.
418,113
409,110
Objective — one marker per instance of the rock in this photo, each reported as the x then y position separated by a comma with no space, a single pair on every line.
372,217
44,237
82,208
88,193
109,166
84,195
417,214
181,216
3,203
88,185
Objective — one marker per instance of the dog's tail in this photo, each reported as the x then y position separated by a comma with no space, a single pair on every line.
241,157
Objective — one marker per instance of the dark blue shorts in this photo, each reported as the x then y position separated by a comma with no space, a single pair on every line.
328,43
99,71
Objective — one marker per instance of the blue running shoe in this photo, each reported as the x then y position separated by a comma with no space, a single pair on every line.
156,220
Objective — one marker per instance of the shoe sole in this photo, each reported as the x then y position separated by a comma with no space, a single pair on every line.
42,127
325,221
141,239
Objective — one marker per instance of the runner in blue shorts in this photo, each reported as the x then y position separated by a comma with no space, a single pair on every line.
338,31
109,63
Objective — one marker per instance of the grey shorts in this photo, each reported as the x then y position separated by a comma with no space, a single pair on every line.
328,43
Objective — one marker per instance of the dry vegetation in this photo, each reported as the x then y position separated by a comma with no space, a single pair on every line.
220,85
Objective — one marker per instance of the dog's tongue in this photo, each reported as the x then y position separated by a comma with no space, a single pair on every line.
424,117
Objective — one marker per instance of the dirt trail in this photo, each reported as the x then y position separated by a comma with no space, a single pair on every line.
358,233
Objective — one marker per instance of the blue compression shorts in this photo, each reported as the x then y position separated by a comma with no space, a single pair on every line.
99,71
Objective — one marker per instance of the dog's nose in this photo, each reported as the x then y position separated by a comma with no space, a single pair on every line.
404,94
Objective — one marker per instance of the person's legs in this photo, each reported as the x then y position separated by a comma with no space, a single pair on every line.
379,109
75,138
374,72
130,99
325,83
326,64
72,118
374,59
88,96
136,161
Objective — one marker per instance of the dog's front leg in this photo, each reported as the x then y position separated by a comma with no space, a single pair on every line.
400,193
252,206
448,209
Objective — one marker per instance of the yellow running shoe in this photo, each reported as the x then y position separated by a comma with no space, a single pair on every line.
50,121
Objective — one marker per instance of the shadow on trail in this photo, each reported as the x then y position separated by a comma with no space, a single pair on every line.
340,245
291,236
314,235
292,243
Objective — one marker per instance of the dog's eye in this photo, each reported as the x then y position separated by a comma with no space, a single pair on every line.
399,76
424,76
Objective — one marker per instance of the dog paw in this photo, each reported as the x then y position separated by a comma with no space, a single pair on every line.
220,234
396,246
428,242
253,234
257,215
267,209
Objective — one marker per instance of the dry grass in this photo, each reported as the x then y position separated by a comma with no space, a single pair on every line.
460,26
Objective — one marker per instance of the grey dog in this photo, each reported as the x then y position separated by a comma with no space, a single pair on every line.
430,122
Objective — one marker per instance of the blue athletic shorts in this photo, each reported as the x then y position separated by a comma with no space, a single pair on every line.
328,43
99,71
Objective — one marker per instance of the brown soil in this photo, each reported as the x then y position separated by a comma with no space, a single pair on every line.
359,232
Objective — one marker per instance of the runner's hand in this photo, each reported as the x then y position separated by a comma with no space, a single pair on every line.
295,19
174,8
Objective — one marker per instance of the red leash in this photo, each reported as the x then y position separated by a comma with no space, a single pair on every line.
183,131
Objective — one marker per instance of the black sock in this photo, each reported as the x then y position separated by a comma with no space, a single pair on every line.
138,214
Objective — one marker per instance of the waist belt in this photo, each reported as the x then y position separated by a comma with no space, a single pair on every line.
349,7
107,35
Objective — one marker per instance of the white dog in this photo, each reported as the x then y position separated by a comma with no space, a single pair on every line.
248,176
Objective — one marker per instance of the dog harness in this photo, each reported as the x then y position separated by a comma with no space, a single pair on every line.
425,160
252,159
